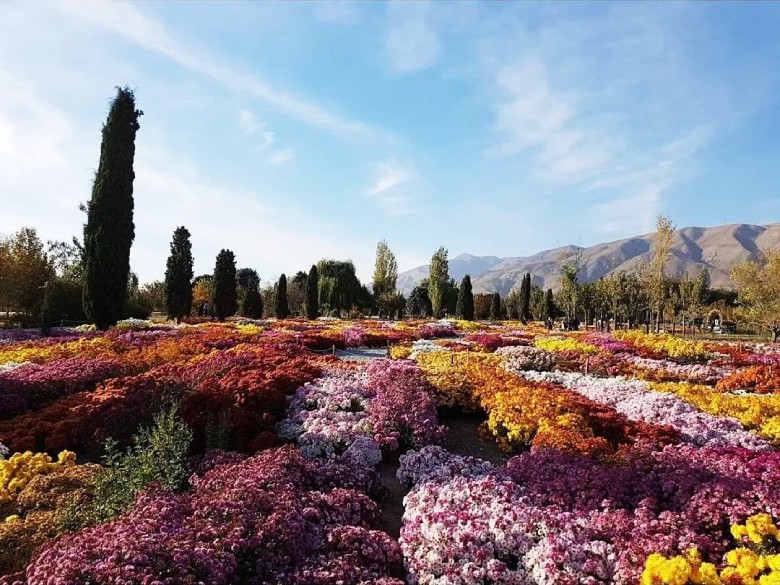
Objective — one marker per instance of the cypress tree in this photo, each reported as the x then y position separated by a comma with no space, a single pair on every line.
549,304
465,307
109,231
225,293
525,297
312,294
282,309
178,276
495,307
253,303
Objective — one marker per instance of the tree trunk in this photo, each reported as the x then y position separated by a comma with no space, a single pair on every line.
775,334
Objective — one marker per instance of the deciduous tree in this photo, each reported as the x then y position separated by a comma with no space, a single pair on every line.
758,289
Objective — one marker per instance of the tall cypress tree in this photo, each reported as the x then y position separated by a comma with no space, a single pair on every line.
225,292
465,307
312,294
178,276
495,307
549,304
282,309
109,231
525,297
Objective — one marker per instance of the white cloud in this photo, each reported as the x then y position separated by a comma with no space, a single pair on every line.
390,187
250,125
279,157
411,43
122,18
536,117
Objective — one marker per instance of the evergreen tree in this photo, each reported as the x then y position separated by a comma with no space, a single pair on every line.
495,307
418,304
525,298
465,306
178,276
312,294
253,303
549,305
109,231
438,279
224,285
281,308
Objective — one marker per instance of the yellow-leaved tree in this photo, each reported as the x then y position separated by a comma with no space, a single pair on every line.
758,290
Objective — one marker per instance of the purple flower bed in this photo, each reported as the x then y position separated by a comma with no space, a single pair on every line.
353,415
31,385
552,518
273,518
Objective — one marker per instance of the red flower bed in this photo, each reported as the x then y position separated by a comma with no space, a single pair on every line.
247,385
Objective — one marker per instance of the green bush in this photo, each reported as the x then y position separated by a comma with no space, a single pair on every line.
157,456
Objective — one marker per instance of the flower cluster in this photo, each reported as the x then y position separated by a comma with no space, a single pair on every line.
519,358
565,344
21,468
759,379
274,518
353,414
637,402
662,344
751,565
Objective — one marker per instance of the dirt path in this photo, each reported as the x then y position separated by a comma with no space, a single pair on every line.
462,438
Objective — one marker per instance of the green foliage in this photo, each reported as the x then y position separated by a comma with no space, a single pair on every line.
178,276
524,310
418,304
385,279
495,307
339,287
537,303
312,294
465,306
550,310
438,278
281,307
109,231
252,305
24,271
224,285
157,456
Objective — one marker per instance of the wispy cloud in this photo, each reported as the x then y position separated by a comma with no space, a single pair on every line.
574,142
390,187
538,118
279,157
122,18
412,44
250,125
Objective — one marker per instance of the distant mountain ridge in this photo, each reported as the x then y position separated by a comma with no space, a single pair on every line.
716,248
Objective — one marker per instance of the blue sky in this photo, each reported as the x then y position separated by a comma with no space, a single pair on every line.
293,131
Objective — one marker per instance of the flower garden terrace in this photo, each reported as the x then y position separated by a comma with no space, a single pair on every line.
632,458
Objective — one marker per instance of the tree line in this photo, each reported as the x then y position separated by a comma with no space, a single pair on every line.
91,280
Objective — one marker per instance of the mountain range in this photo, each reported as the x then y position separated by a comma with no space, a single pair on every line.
716,248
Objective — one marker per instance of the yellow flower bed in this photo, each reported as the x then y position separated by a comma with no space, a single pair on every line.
21,468
743,565
561,344
663,343
760,412
77,348
400,351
